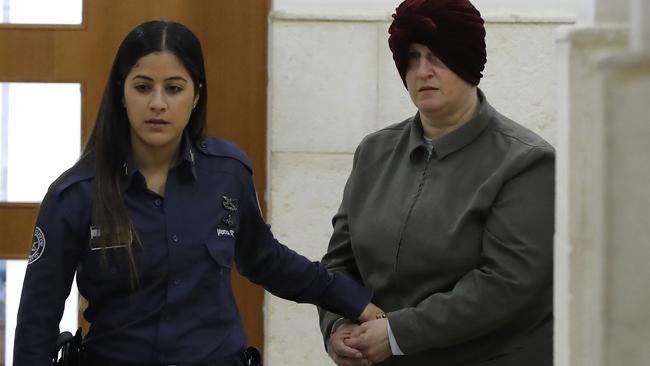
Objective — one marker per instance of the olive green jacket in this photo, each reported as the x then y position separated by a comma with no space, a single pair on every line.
457,247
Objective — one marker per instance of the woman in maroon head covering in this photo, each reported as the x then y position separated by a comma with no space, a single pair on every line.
448,215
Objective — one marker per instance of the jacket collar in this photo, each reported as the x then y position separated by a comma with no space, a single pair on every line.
456,139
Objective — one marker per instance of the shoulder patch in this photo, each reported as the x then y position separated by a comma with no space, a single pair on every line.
38,245
214,146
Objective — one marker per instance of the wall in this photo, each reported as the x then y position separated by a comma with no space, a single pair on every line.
332,81
603,208
580,212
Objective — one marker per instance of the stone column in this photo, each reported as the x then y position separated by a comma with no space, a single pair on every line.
625,99
603,204
640,22
626,116
581,216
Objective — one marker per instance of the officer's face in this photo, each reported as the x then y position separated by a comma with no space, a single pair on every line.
159,98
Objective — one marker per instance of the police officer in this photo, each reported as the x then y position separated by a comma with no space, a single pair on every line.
152,218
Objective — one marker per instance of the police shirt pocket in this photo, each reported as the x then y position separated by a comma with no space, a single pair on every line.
221,252
215,302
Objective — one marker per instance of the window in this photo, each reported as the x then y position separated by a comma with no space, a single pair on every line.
40,137
41,11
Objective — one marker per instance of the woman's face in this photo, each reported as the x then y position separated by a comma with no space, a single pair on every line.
159,98
434,89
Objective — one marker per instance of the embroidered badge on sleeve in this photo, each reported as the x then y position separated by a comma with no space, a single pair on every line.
38,245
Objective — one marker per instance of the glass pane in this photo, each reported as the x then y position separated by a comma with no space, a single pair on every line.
41,11
12,273
40,137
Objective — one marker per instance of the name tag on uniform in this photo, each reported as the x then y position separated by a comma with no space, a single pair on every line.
95,240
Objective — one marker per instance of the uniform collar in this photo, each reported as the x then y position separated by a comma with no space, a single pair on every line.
187,156
186,164
128,172
456,139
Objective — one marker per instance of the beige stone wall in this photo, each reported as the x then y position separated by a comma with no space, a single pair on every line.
332,81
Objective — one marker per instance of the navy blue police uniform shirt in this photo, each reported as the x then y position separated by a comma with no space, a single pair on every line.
182,310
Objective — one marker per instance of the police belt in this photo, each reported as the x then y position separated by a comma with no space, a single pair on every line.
248,357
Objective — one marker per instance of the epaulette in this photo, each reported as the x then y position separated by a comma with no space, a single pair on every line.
79,172
215,146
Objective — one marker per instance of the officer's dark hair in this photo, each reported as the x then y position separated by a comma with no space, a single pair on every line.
109,143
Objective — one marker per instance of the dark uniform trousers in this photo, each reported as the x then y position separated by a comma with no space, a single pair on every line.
248,357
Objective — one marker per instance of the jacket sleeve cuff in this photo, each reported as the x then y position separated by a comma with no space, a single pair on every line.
402,325
345,296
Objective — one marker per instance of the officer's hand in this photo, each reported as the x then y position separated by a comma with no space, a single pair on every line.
371,338
341,354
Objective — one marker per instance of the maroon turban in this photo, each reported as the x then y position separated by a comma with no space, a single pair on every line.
452,29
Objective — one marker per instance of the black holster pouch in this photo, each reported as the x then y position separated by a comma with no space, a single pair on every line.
251,357
70,348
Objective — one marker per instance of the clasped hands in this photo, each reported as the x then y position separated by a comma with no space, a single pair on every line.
352,344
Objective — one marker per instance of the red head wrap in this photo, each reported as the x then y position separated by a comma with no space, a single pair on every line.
452,29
